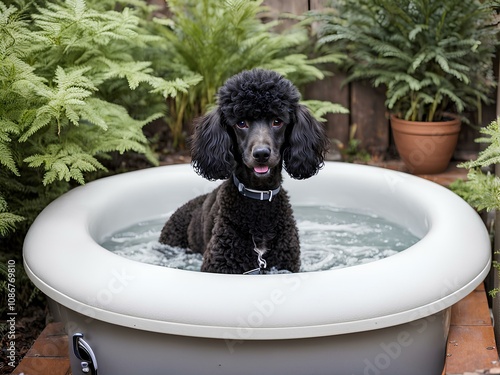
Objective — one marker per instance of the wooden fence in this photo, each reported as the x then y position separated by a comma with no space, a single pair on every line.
366,104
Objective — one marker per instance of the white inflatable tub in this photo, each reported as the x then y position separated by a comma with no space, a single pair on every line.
386,317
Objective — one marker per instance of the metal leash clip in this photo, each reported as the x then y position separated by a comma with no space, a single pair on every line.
260,260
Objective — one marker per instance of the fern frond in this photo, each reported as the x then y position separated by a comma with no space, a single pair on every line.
6,158
296,65
67,100
8,220
490,155
8,223
331,58
481,190
123,133
321,108
172,87
459,103
64,163
76,25
135,72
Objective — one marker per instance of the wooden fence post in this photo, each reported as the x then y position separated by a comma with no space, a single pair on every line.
368,113
331,89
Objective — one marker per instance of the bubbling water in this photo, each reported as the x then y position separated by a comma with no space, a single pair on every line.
330,238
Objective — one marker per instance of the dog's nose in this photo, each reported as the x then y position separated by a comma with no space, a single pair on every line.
261,154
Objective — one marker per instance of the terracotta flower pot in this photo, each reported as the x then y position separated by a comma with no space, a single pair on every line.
426,147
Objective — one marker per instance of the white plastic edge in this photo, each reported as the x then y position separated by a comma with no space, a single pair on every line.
64,260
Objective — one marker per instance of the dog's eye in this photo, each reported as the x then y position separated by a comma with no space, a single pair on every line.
278,123
242,124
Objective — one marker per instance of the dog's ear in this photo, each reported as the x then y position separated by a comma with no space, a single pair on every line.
307,144
211,147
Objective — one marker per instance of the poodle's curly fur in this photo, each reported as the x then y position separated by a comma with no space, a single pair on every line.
257,128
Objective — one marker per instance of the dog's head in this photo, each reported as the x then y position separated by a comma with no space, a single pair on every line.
258,123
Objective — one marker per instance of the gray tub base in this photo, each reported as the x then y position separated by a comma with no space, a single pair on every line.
413,348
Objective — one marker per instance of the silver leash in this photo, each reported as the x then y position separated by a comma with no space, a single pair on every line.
260,260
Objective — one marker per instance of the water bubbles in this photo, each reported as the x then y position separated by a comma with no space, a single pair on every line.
330,238
333,238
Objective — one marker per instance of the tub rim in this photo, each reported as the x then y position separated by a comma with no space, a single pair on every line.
281,321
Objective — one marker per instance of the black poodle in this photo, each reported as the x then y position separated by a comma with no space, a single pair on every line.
246,225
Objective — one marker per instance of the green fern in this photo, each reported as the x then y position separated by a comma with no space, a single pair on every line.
8,220
67,71
64,102
482,189
320,108
6,158
64,162
491,155
212,40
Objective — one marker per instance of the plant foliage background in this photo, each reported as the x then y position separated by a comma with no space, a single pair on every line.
63,71
79,80
211,40
482,188
68,73
431,56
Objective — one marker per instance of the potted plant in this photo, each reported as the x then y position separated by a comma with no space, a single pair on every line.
434,59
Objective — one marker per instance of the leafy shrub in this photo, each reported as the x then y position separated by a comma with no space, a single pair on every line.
432,56
482,189
66,71
211,40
